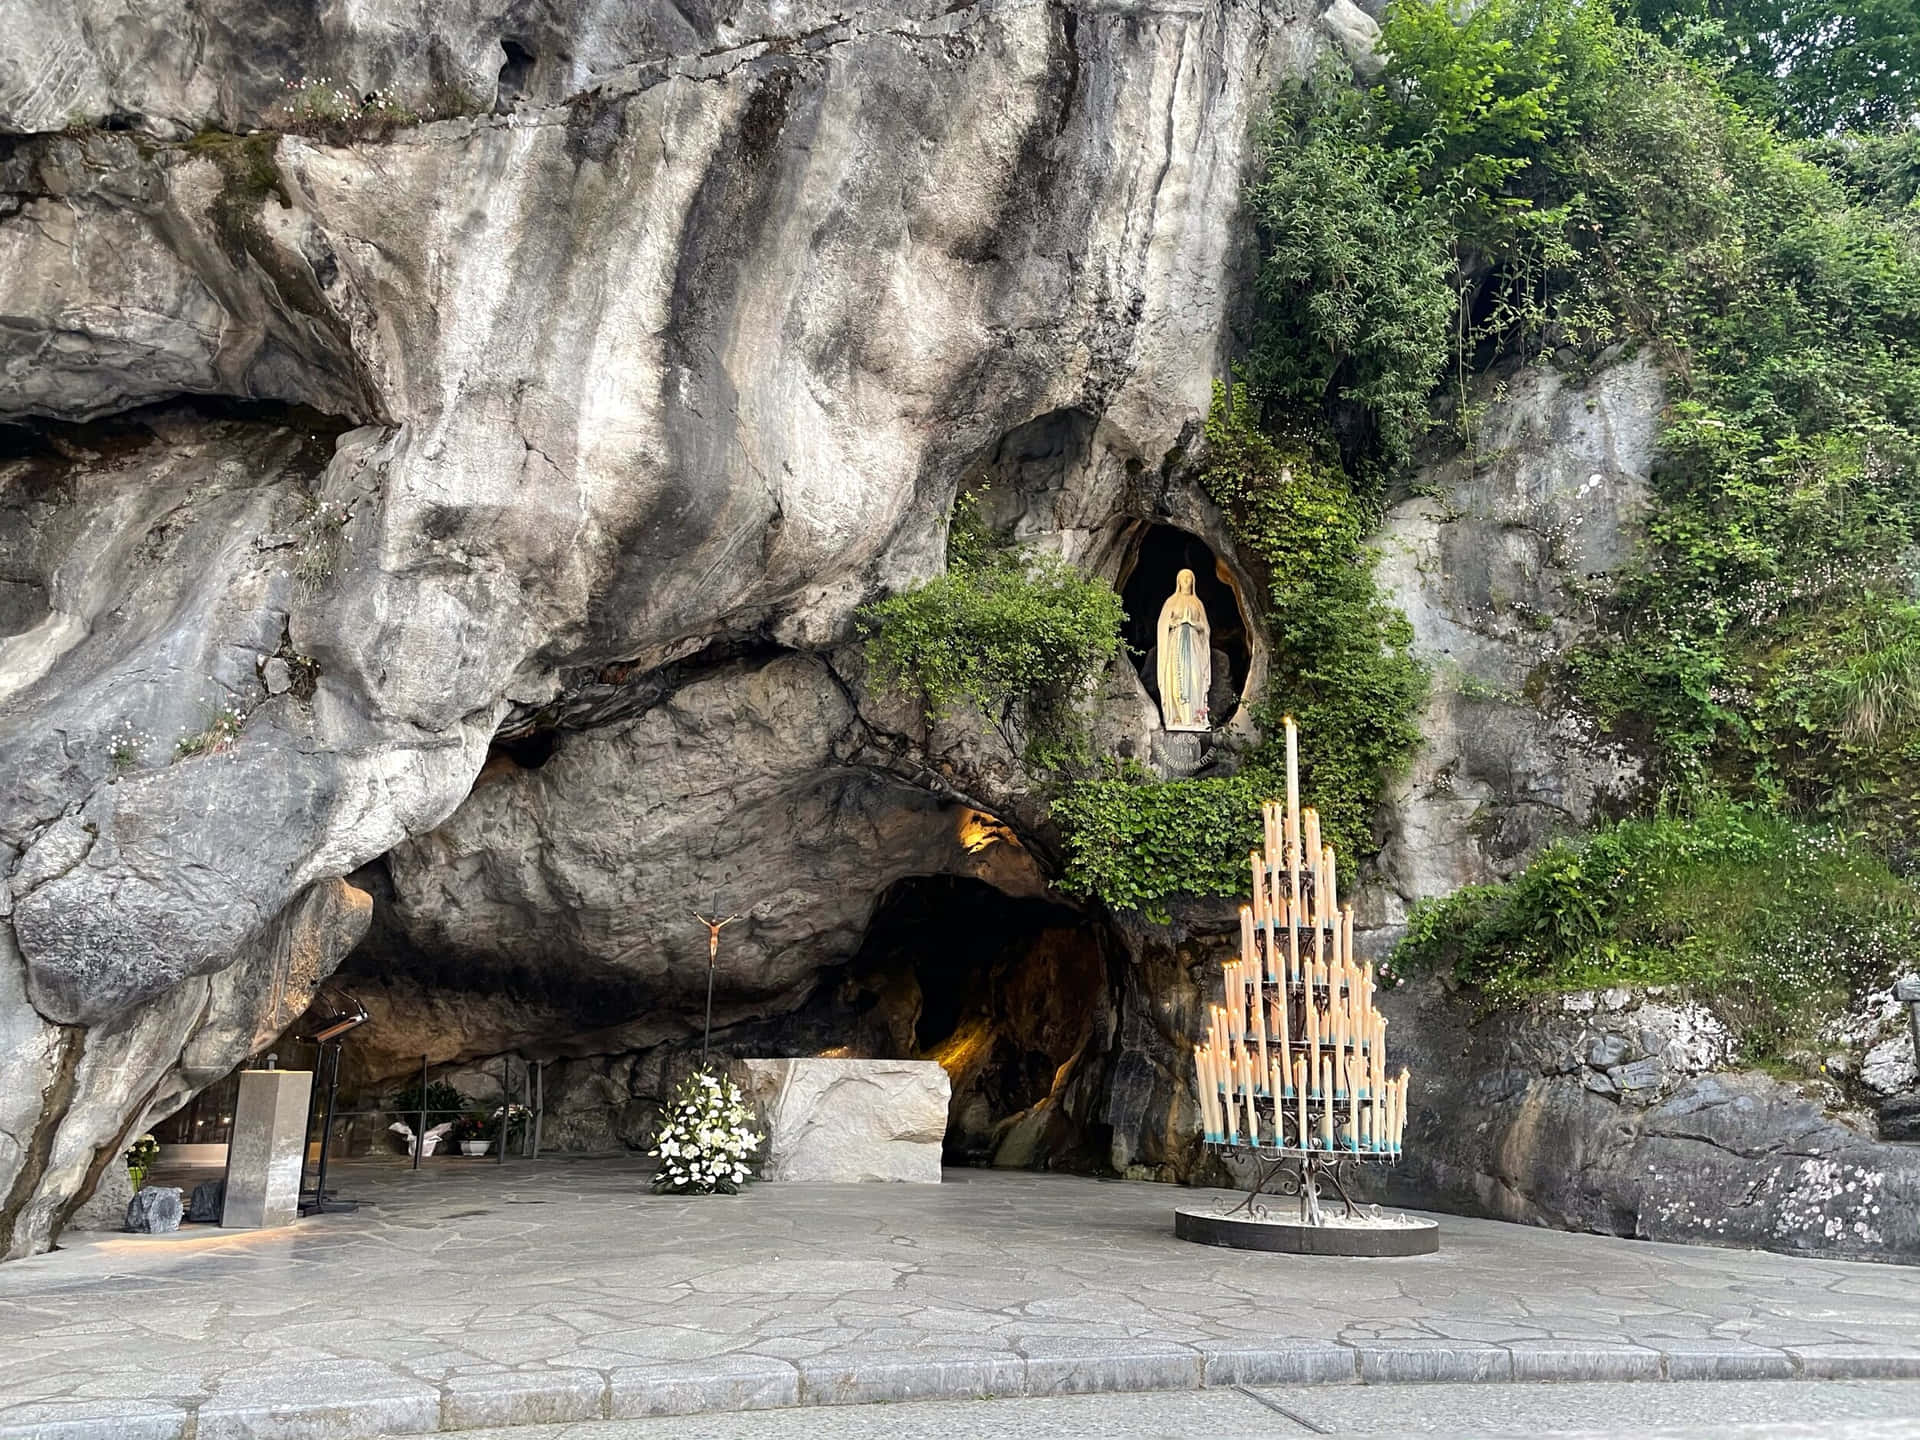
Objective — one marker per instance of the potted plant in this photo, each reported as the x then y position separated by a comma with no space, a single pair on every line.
140,1157
474,1133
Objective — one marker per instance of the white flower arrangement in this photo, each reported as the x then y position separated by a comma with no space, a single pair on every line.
706,1139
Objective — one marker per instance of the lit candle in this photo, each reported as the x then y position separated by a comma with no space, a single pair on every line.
1310,862
1333,886
1400,1110
1246,932
1255,864
1232,1125
1376,1071
1270,833
1204,1071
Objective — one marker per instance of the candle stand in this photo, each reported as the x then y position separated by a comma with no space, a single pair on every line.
1292,1075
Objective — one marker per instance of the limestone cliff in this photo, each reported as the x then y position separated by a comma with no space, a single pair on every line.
579,420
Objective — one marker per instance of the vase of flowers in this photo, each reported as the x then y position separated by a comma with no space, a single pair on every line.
473,1133
517,1117
706,1138
140,1157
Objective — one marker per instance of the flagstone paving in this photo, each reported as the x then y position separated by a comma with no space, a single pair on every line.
466,1295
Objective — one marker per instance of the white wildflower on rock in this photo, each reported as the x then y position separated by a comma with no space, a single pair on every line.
706,1139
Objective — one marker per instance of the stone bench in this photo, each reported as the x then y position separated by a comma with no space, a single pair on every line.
831,1121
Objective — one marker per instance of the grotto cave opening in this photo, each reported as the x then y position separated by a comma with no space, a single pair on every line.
1009,993
1009,990
1160,553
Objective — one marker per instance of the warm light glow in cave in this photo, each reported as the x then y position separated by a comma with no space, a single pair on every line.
978,831
961,1051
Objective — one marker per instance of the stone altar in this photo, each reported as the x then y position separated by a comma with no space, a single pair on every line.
830,1121
268,1148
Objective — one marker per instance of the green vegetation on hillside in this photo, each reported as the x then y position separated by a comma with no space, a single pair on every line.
1780,921
1550,182
1570,183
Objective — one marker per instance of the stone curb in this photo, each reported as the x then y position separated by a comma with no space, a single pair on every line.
1040,1367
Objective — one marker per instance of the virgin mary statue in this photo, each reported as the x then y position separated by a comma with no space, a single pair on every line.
1186,657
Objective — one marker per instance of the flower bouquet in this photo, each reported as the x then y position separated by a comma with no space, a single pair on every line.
706,1139
140,1157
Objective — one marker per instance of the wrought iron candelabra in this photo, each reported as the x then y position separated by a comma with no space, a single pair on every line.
1293,1072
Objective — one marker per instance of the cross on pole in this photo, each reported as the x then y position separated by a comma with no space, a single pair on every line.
714,927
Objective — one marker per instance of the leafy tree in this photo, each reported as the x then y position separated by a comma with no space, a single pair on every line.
1813,65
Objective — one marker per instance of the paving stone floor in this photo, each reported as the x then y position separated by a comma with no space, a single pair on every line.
467,1295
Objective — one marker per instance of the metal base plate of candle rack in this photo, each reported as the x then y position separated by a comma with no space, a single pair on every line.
1292,1076
1289,1211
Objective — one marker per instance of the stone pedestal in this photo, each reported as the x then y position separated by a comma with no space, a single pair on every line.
830,1121
269,1141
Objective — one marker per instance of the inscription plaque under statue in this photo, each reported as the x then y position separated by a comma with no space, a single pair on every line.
268,1148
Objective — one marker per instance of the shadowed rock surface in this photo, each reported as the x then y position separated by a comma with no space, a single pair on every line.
1616,1112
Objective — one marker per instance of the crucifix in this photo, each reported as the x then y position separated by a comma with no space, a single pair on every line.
714,927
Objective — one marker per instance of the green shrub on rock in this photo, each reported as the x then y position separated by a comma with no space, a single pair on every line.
1777,920
1019,638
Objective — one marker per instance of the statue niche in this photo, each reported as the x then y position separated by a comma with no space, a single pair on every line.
1185,644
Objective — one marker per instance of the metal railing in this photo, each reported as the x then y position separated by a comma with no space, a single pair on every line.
532,1095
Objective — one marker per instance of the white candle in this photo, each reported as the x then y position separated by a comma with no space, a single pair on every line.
1310,863
1300,1098
1333,885
1326,1105
1313,1018
1293,940
1253,1114
1207,1125
1258,1005
1281,1023
1293,800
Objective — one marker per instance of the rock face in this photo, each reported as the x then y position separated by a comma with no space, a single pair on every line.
1609,1112
1497,562
343,459
154,1210
835,1121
